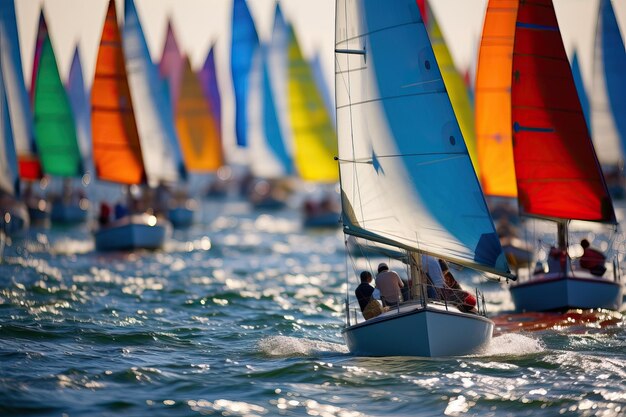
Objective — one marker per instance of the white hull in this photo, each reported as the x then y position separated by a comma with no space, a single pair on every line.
415,331
558,292
64,213
132,232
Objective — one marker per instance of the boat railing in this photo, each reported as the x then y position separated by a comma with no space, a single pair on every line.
572,266
456,300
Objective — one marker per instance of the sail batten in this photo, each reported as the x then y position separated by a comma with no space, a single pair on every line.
558,174
412,184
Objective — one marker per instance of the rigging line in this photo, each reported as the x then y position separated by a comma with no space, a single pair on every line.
401,155
383,29
401,96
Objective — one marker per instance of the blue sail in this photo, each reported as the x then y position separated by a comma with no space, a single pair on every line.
17,96
271,125
81,109
580,88
614,60
9,178
244,44
159,142
407,179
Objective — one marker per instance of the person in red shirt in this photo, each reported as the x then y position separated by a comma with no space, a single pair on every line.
592,259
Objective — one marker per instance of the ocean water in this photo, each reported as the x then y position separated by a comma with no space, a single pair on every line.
241,315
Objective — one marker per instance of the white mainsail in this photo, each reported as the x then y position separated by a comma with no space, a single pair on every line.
406,175
159,145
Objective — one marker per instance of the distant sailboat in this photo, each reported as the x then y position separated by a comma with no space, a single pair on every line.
116,147
557,171
608,99
13,212
580,88
55,132
171,65
407,179
244,44
79,101
20,111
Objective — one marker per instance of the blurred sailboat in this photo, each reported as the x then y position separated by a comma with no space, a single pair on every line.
116,146
580,88
494,128
557,171
608,99
55,132
407,179
21,114
13,212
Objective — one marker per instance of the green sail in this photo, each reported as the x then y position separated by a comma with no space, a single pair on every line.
55,132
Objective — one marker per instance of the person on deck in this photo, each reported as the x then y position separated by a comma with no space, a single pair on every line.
389,284
592,259
105,214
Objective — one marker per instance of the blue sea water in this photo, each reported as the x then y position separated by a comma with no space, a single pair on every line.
241,315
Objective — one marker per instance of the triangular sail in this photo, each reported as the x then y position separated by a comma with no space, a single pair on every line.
558,175
116,149
157,134
608,98
171,65
208,80
9,179
493,100
197,130
54,122
456,87
314,137
406,177
244,44
580,88
17,96
79,102
42,33
268,155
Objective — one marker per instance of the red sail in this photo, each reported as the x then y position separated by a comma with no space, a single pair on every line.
558,174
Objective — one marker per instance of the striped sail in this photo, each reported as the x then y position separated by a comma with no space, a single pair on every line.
557,171
198,132
163,160
406,176
116,150
314,137
9,179
493,100
17,96
244,43
456,87
268,155
55,131
208,80
608,98
79,102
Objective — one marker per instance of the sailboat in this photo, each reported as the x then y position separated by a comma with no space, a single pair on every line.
79,101
494,129
13,212
407,179
314,139
117,150
55,132
608,99
557,171
20,113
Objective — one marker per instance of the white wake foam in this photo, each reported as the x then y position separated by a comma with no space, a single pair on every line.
513,344
285,346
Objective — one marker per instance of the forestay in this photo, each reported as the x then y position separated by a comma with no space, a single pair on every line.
406,176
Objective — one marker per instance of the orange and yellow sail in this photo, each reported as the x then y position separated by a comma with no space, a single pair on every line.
116,149
198,130
493,100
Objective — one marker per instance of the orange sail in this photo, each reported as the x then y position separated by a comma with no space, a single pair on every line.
197,129
116,150
493,100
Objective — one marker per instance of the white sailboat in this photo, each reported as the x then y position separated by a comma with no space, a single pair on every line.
407,180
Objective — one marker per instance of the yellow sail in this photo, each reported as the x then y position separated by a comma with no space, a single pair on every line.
456,89
197,129
493,100
314,137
